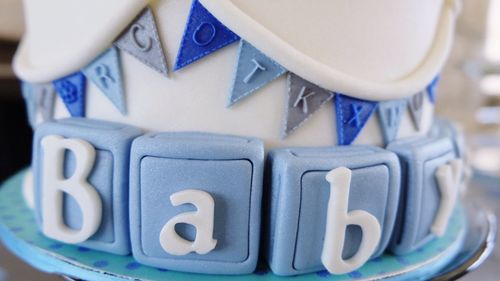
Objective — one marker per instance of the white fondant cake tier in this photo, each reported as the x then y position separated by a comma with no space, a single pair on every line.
356,50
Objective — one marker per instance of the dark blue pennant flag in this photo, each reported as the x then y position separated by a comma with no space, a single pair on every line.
72,89
254,71
352,115
203,35
390,113
105,73
431,89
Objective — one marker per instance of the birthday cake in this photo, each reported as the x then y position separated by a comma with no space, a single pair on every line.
207,136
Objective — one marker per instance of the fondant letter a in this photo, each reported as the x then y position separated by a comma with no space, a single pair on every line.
54,185
337,220
202,219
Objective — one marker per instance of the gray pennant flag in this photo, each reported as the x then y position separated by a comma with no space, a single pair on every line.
415,104
142,41
40,100
304,98
390,113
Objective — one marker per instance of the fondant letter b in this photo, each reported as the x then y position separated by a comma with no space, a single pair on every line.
337,220
54,185
202,219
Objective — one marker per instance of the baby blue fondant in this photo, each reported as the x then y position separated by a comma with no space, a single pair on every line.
351,116
299,195
109,176
420,195
254,70
228,168
40,100
390,113
106,73
72,90
445,128
203,35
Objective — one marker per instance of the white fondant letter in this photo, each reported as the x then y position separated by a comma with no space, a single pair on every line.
337,220
54,185
202,219
448,177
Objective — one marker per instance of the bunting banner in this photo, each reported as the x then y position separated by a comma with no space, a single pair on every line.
390,114
303,100
105,72
254,70
141,40
40,100
415,104
203,35
351,116
72,89
431,89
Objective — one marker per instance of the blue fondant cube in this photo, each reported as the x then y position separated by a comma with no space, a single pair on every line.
109,176
299,202
228,168
446,129
420,195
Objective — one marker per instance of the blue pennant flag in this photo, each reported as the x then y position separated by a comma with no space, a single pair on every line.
390,113
431,89
416,106
105,73
72,89
40,100
352,115
203,35
254,71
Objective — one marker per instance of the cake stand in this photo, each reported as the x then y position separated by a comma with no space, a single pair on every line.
460,250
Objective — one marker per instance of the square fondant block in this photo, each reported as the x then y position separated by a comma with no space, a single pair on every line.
228,168
443,128
420,195
299,202
109,176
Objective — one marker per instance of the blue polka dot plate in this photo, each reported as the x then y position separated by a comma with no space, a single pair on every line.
19,233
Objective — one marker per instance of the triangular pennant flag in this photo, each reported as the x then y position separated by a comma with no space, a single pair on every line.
390,113
431,89
415,104
40,100
142,41
203,35
254,71
105,72
304,99
72,89
352,115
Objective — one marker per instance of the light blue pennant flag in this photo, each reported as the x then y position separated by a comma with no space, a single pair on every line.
415,104
303,100
390,114
352,115
72,89
254,70
141,40
105,72
431,89
40,100
203,35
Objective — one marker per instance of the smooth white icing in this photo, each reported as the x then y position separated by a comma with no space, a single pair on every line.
202,219
54,185
338,218
194,98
